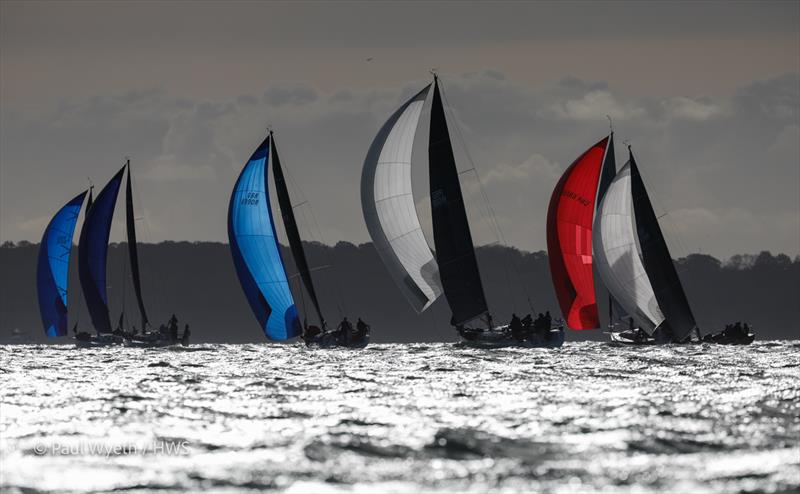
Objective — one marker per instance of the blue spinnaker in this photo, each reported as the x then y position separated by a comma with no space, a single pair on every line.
52,271
93,252
256,253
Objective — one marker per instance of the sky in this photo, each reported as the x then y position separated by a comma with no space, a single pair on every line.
707,93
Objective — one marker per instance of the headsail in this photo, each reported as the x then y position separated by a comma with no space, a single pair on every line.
455,252
388,205
616,255
132,247
290,225
658,262
569,234
93,252
255,250
52,271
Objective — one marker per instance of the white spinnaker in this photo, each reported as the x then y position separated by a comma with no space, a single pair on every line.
389,211
616,253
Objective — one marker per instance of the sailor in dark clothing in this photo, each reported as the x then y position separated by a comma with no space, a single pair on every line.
548,321
186,334
515,326
361,328
173,329
345,328
527,321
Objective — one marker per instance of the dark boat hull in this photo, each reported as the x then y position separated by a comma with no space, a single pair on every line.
335,340
501,338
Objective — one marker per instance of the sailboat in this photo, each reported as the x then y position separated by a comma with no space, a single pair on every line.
258,260
392,221
634,263
53,269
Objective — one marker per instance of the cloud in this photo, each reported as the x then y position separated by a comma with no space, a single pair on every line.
536,166
595,105
289,94
681,107
188,152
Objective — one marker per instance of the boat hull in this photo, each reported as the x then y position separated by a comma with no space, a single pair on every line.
721,339
334,340
627,338
501,338
96,341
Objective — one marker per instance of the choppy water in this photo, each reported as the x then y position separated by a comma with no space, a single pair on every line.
401,418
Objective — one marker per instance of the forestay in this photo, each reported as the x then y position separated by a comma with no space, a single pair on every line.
389,210
52,271
255,250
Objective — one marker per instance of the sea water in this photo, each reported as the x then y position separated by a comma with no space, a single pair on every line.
401,418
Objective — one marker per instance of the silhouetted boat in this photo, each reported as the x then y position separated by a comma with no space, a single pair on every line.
635,265
92,268
257,257
392,221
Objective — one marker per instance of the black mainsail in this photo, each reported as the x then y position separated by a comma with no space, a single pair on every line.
455,252
290,225
657,261
132,247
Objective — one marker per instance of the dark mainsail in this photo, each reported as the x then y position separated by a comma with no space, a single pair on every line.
290,225
455,252
608,171
658,262
132,248
93,253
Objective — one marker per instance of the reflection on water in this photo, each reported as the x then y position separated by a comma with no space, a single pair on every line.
401,418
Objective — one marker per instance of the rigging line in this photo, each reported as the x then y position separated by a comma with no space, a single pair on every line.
338,296
485,197
671,226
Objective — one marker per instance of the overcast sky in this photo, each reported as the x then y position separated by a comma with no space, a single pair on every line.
707,92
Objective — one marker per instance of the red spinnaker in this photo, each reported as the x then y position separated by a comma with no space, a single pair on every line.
569,238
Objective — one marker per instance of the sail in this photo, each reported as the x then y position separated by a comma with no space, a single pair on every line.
52,271
132,248
292,232
455,253
93,252
616,255
389,211
658,262
256,253
569,237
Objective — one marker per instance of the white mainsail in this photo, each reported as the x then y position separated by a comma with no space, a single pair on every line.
389,211
617,257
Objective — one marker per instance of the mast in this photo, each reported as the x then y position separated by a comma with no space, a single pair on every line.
132,247
93,252
290,225
455,252
52,273
658,261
